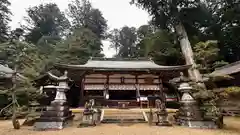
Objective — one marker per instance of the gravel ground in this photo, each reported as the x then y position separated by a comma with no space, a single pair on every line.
232,128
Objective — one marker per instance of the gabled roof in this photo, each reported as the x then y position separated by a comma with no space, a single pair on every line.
5,72
122,64
228,69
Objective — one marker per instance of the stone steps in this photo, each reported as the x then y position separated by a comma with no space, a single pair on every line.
121,115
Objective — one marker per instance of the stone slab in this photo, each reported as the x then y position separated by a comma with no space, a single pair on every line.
184,103
200,124
57,108
58,103
165,124
49,125
184,118
55,114
52,119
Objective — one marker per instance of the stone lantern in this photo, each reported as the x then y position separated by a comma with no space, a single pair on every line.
189,112
57,114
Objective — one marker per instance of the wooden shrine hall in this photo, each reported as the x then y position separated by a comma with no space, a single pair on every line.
110,81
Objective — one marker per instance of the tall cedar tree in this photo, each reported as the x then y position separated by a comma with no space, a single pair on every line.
84,15
5,14
45,20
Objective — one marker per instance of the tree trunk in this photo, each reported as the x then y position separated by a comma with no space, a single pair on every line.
187,51
15,122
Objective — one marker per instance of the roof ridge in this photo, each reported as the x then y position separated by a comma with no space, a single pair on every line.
119,59
228,65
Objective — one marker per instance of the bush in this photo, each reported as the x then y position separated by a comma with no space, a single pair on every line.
234,91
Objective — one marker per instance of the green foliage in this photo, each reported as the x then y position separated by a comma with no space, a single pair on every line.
161,47
165,13
84,15
25,95
218,64
124,41
215,77
206,53
4,20
145,42
226,28
207,100
45,20
144,31
233,91
78,47
208,20
115,40
24,55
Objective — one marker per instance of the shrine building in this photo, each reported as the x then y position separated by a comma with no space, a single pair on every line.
110,81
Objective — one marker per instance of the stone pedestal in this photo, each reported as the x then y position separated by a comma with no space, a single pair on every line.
161,112
162,119
91,116
56,117
189,113
88,119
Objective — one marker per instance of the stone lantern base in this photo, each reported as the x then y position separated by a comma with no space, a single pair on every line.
56,117
199,124
162,119
89,119
190,114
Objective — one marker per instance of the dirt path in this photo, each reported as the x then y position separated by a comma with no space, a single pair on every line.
232,128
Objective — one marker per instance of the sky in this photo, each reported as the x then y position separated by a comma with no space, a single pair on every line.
118,13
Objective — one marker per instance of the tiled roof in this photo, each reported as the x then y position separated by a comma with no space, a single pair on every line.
124,64
5,72
228,69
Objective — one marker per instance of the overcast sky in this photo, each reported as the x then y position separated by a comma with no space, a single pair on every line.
118,13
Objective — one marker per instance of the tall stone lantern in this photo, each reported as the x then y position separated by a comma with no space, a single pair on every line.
189,113
57,114
189,110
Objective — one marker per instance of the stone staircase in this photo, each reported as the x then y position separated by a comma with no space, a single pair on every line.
123,116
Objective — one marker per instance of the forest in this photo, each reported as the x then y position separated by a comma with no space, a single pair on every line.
50,35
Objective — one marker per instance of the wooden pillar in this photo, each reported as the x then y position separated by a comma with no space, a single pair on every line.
136,76
82,91
107,81
137,89
160,84
107,88
162,90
